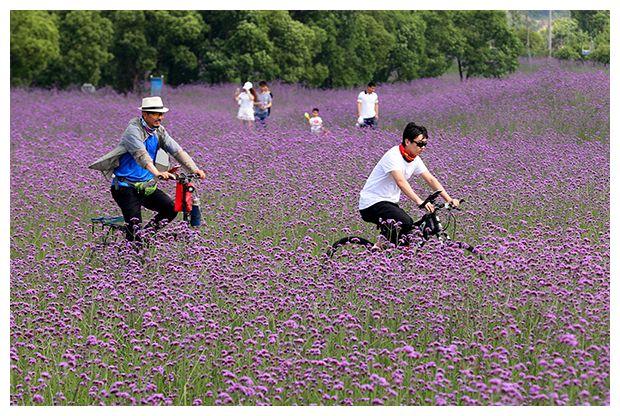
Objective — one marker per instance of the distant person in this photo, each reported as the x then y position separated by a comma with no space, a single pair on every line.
245,99
263,104
368,106
134,165
316,122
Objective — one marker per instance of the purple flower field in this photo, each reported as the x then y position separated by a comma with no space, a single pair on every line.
247,309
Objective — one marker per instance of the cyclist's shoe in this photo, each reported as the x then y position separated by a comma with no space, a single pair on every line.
381,244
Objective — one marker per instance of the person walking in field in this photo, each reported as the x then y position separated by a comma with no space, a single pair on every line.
263,104
136,163
379,198
245,99
368,106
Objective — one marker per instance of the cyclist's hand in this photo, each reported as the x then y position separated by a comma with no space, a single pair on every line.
429,207
201,173
455,202
165,175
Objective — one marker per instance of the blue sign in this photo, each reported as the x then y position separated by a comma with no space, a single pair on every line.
157,84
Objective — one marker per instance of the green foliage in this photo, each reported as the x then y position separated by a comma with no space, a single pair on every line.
317,48
538,45
444,42
568,39
34,44
249,51
294,46
406,58
490,47
595,23
601,47
526,28
591,22
85,41
134,56
178,36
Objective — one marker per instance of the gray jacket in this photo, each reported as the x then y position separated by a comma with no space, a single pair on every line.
132,141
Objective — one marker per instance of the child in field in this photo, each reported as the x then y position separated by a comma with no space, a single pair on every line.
263,103
316,122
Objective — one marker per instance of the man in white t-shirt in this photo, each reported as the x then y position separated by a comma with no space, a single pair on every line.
368,106
379,198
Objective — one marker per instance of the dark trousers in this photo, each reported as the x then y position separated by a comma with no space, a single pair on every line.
131,202
261,118
392,220
369,122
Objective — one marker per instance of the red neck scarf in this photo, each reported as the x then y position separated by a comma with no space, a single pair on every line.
405,155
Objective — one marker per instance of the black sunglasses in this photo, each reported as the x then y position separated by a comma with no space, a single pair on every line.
421,144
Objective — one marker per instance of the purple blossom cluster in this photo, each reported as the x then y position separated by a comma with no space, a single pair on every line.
247,309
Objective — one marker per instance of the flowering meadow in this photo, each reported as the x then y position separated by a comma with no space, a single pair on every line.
248,310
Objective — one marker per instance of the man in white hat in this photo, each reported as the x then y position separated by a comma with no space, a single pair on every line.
136,163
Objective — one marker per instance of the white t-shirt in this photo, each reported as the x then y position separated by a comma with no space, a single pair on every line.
315,124
368,104
381,186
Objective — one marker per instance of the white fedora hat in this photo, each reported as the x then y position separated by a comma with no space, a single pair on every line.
153,105
247,86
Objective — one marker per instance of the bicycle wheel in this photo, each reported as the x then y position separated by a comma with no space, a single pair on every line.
349,245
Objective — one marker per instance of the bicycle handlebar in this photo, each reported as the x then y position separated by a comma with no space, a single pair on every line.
431,198
181,176
446,205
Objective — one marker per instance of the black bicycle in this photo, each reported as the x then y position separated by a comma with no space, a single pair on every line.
427,227
185,201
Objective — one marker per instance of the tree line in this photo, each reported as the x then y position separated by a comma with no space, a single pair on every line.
576,34
317,48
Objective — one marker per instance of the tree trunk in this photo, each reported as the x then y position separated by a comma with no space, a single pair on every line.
458,61
529,51
549,44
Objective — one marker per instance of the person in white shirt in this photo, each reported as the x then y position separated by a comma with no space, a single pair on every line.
245,99
379,198
316,122
368,106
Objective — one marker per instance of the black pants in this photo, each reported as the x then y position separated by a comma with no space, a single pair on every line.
393,221
369,122
131,202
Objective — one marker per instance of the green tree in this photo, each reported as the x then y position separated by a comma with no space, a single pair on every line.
179,36
34,44
444,42
407,56
367,46
294,46
525,29
250,52
85,40
568,39
355,47
490,48
538,45
591,22
134,56
332,53
601,46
